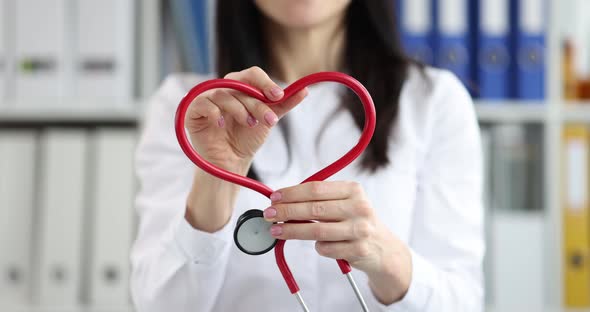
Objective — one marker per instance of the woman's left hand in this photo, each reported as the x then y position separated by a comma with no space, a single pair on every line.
347,229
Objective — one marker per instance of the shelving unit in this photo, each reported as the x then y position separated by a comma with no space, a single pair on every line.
147,73
85,116
551,114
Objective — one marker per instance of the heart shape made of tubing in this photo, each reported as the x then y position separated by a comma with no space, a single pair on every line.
339,164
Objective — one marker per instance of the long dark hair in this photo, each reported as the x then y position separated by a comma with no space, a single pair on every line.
373,55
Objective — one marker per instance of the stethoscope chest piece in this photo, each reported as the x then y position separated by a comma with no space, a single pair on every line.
252,233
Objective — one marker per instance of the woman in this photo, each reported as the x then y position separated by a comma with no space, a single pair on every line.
407,215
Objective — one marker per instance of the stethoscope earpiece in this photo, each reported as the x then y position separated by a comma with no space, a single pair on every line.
252,233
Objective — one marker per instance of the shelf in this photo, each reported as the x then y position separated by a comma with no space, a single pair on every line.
487,111
78,308
544,309
511,111
71,112
577,112
68,117
577,103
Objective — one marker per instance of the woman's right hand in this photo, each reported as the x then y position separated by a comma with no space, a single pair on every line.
227,127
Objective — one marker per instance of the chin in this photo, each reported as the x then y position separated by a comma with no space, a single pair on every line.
301,13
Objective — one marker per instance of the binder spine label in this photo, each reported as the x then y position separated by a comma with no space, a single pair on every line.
577,179
494,16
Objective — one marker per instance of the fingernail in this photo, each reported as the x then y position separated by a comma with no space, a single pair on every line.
271,118
276,196
252,121
276,230
276,92
270,213
221,122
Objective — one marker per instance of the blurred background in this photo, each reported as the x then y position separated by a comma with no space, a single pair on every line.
75,76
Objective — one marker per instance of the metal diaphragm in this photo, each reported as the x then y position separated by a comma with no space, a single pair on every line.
252,233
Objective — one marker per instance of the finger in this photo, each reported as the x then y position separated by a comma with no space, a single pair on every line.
329,210
316,191
281,109
348,250
317,231
203,108
228,103
258,78
258,109
271,114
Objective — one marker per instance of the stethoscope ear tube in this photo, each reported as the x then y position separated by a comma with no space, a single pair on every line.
250,234
292,284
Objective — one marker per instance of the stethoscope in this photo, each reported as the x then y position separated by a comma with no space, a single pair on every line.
252,234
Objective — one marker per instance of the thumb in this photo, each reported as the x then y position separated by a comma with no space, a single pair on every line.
282,108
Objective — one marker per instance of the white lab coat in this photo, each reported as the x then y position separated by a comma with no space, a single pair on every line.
429,196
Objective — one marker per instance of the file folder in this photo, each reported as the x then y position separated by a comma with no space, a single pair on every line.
576,217
112,216
41,50
416,29
17,194
3,51
201,18
104,52
191,18
494,58
580,25
511,167
211,31
7,63
530,49
570,83
575,61
452,38
62,204
486,144
518,247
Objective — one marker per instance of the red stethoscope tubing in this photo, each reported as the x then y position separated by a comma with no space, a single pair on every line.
346,159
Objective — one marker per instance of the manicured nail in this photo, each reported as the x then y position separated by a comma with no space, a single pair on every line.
276,196
276,93
271,118
252,121
221,122
270,213
276,230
